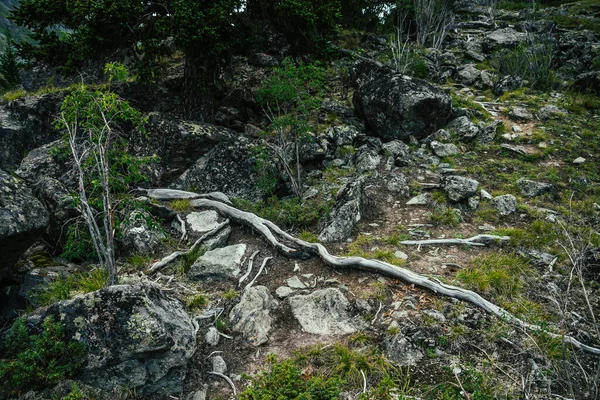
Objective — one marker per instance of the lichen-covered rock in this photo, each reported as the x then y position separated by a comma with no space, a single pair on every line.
507,83
505,204
502,39
346,213
178,143
402,351
531,188
221,263
136,336
26,124
202,221
342,135
228,167
444,149
397,106
463,127
459,188
140,235
325,312
23,220
251,315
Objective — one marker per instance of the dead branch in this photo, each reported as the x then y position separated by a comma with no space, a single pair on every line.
478,240
269,231
250,262
258,273
220,375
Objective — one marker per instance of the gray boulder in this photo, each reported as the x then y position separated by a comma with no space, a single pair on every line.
520,114
506,84
346,213
468,75
402,351
459,188
228,167
26,124
397,106
531,188
551,111
502,39
140,235
367,160
221,263
463,127
399,150
444,149
178,143
23,219
251,315
588,81
342,135
505,204
398,183
136,336
325,312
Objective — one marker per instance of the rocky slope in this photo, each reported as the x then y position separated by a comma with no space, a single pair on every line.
470,150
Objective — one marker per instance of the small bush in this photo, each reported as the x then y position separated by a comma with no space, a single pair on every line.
446,216
197,302
285,381
79,245
531,61
287,213
181,205
32,361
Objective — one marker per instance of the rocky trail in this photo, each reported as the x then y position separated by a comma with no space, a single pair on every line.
447,233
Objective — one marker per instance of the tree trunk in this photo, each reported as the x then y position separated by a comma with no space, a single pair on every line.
199,87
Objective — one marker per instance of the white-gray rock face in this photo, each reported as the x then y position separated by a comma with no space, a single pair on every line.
505,204
444,149
325,312
220,263
419,200
136,336
22,220
139,236
502,38
463,127
459,188
251,315
202,221
342,135
345,215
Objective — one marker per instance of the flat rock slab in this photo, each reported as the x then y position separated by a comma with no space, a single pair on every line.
220,263
251,315
203,221
325,312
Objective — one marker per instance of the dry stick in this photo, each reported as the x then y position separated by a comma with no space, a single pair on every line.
472,241
258,273
220,375
157,266
183,230
364,381
377,313
267,229
243,278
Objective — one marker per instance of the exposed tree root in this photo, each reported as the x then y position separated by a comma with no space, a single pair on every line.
272,232
478,240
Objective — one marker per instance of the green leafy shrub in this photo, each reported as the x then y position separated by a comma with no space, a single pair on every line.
285,381
78,245
36,360
477,386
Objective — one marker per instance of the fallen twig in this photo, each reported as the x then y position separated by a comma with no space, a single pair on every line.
258,273
377,313
220,375
183,230
243,278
